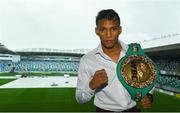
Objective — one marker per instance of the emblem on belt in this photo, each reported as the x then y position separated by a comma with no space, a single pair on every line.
137,72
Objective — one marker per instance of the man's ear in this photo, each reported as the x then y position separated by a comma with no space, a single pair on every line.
97,31
120,29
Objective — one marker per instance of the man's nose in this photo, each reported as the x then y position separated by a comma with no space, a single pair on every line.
108,33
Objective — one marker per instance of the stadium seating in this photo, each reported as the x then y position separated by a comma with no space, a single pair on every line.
5,65
170,81
29,65
40,66
171,65
46,66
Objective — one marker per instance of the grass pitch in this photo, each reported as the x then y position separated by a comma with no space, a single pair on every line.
164,103
41,99
63,100
4,81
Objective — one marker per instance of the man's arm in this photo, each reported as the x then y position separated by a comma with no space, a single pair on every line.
87,84
83,92
147,101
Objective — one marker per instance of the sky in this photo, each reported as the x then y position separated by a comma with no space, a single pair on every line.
70,24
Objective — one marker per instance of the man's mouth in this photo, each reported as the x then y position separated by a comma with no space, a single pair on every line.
108,41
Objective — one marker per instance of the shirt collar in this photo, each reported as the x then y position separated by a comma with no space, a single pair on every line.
99,49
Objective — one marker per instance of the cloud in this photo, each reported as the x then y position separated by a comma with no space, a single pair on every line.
69,24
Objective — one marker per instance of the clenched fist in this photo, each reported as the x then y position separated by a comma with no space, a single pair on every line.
99,80
146,102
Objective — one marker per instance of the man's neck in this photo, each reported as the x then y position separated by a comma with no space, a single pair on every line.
114,52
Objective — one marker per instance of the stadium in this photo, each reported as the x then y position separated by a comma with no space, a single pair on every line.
44,80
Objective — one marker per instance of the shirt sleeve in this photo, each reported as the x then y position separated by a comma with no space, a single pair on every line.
83,91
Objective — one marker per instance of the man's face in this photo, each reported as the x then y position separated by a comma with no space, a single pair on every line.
108,31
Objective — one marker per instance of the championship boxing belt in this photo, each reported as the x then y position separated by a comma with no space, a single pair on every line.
137,72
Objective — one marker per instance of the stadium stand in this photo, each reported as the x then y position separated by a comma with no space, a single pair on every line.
39,66
169,81
47,66
7,59
167,58
171,65
39,61
5,65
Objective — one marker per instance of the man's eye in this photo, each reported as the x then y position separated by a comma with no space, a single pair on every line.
102,29
115,29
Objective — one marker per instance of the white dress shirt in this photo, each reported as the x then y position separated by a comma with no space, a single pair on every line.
114,96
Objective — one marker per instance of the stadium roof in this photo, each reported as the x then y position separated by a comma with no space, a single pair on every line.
52,52
172,50
4,50
28,53
81,51
161,41
165,46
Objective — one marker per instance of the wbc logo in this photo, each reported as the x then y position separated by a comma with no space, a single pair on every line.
137,72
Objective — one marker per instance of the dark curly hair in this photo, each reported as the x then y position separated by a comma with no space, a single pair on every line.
109,14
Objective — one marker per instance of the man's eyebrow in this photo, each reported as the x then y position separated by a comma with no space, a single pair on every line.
100,26
115,26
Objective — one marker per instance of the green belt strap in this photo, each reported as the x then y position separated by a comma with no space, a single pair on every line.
137,72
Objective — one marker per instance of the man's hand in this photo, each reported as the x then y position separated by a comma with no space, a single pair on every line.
99,80
146,102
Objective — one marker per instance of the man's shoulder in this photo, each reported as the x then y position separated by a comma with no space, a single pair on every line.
124,45
90,54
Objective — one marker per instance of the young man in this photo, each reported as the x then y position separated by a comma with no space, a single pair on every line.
97,71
